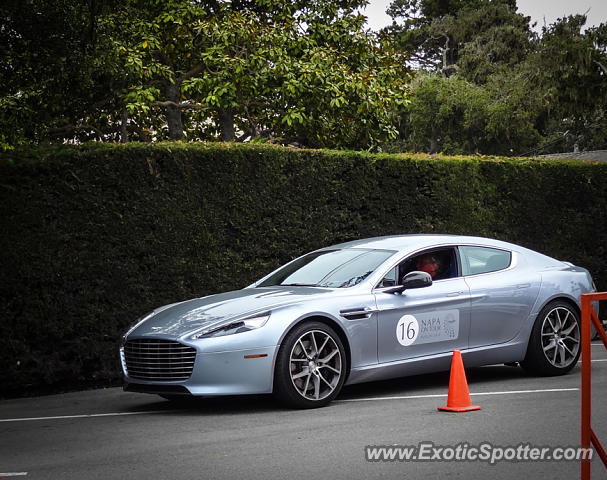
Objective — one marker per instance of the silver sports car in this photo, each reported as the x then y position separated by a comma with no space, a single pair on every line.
360,311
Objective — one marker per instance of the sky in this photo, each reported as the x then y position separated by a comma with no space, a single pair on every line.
538,10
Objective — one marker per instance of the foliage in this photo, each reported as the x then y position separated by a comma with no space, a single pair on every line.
455,116
295,69
97,235
154,69
438,34
52,74
301,72
570,70
497,87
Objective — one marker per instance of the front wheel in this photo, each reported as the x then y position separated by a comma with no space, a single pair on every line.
310,367
554,345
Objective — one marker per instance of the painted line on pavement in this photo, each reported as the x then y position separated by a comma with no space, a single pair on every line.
411,397
92,415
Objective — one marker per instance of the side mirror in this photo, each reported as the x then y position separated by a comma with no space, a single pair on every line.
414,279
417,279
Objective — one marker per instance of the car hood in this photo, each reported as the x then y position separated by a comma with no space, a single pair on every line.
187,317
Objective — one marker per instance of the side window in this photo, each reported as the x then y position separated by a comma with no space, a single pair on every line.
390,279
440,264
477,260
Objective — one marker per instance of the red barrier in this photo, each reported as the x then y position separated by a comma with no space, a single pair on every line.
588,436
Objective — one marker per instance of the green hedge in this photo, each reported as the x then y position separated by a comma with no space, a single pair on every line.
94,236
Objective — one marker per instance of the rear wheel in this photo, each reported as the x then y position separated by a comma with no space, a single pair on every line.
554,345
310,367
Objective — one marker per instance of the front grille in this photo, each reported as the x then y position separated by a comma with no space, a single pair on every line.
154,359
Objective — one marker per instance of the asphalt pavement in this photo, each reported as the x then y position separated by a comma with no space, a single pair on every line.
110,434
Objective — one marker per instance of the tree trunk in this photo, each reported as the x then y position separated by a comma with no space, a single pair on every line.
434,141
173,112
124,134
226,124
449,66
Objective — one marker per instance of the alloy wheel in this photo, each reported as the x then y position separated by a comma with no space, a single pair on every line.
560,337
315,365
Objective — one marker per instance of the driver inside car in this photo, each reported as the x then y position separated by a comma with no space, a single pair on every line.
428,263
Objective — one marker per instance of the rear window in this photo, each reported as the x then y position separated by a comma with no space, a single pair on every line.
477,260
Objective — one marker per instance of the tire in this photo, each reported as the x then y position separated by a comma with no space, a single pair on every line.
554,345
310,367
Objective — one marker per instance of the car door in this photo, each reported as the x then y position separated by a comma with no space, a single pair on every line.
502,293
424,321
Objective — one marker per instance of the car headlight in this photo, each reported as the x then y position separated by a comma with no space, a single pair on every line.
237,326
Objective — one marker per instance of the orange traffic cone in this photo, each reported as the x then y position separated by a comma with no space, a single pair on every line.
458,399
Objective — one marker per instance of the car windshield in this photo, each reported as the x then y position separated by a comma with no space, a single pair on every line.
329,268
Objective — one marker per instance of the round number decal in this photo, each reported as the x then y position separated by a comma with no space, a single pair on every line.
407,330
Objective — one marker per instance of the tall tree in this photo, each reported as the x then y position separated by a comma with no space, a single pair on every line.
51,74
197,69
497,87
302,69
455,116
437,33
568,68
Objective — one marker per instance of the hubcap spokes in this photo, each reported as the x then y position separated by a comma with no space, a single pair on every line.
560,337
315,365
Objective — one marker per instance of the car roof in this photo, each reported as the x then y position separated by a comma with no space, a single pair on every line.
418,241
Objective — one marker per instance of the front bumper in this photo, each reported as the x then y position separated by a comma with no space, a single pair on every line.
235,372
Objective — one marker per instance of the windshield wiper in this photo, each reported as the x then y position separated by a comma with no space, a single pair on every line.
298,285
348,283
